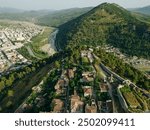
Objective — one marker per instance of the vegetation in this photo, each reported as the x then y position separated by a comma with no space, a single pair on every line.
131,99
60,17
23,51
47,90
123,69
46,17
107,24
100,73
18,84
85,61
142,17
39,41
36,44
136,101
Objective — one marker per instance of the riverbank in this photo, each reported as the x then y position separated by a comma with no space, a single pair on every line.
50,48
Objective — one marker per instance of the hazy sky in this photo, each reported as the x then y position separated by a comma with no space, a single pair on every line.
62,4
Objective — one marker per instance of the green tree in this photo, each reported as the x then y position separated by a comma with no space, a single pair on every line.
2,85
57,64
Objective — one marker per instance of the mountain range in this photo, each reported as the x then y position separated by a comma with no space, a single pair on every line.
43,17
143,10
10,10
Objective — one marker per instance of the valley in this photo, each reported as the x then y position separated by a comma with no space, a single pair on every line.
90,60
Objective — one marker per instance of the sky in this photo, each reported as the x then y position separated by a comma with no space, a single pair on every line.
64,4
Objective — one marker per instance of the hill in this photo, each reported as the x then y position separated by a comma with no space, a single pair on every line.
60,17
45,17
142,17
30,16
143,10
10,10
107,24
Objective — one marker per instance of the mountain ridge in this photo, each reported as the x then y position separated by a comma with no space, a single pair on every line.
10,10
46,17
143,10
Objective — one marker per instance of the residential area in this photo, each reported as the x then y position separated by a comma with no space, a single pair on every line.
12,37
87,88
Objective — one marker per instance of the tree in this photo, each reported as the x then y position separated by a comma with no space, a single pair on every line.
10,93
2,85
57,64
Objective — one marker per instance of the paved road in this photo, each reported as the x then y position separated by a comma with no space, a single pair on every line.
108,71
116,105
112,97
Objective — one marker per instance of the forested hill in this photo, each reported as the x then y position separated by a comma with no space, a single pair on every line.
107,24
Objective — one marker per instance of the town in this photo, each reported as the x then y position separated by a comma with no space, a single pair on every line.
13,36
87,88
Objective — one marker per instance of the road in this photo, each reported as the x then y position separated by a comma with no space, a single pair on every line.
109,72
111,93
131,84
49,48
116,104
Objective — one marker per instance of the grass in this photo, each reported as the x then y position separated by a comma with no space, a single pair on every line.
99,71
24,52
131,99
10,93
135,98
4,24
22,89
143,68
142,17
36,44
39,41
85,60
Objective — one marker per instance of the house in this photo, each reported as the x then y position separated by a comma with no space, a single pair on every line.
104,87
70,73
91,59
89,74
64,72
91,108
37,89
59,86
76,104
87,77
87,91
83,53
58,105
